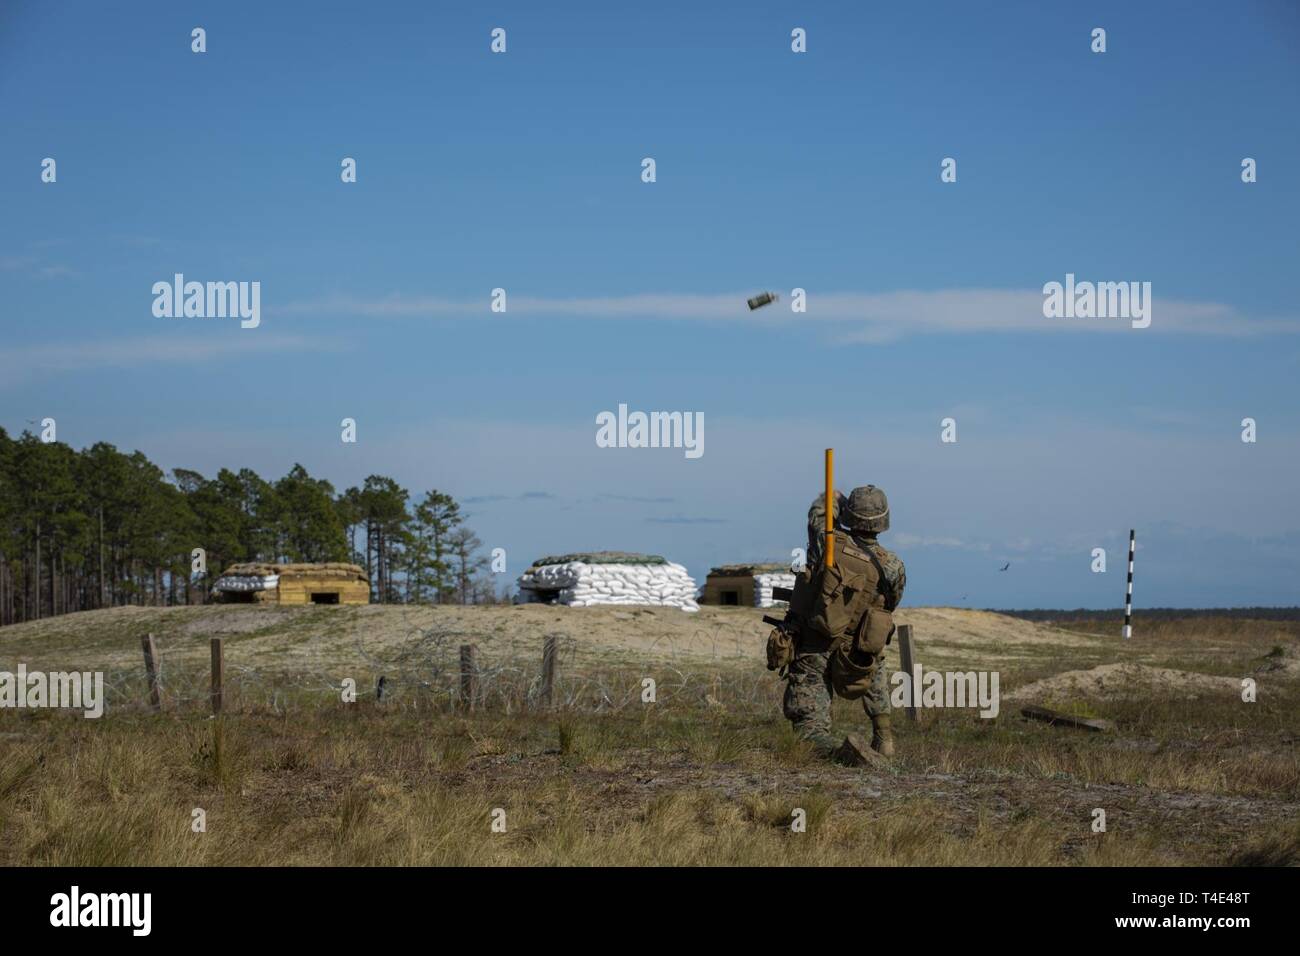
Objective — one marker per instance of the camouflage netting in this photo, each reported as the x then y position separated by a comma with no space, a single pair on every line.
329,569
602,557
746,570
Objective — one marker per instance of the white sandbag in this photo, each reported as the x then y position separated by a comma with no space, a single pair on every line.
764,583
578,583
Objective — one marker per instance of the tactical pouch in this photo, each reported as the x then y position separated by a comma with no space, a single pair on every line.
854,661
851,673
780,650
874,631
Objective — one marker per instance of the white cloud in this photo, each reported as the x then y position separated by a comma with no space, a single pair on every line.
33,266
24,363
862,317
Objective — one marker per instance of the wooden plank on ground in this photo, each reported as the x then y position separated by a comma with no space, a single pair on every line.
1066,720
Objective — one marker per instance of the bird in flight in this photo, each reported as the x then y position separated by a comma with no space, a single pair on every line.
1005,566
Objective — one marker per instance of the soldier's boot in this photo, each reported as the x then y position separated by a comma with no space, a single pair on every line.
854,752
882,735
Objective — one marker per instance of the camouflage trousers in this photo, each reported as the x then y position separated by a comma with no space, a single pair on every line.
808,694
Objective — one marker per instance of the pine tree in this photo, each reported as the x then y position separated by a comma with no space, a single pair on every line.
383,503
464,545
99,528
439,514
308,525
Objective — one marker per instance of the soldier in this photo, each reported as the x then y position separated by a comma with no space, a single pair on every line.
839,620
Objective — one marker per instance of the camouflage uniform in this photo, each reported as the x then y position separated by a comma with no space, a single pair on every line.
808,694
807,702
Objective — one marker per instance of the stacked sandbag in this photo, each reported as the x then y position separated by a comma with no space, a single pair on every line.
323,569
763,584
246,582
591,579
265,576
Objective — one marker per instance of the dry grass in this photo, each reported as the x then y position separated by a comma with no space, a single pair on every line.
709,775
369,787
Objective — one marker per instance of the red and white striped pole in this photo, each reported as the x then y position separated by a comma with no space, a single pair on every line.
1128,599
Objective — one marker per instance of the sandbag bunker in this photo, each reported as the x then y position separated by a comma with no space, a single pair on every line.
327,583
607,577
746,585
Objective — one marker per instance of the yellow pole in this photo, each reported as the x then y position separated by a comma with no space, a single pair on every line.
830,507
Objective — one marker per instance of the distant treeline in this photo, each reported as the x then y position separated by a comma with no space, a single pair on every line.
1158,614
101,528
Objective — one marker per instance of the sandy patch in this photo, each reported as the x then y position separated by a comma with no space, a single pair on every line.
1125,680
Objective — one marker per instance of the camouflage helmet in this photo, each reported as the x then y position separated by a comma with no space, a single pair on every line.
866,509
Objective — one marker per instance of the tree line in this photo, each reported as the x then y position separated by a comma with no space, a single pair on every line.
102,528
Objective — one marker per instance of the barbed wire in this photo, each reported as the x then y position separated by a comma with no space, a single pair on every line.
423,672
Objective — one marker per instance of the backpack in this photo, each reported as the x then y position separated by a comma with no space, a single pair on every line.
849,608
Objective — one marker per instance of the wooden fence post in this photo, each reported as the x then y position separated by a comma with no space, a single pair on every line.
151,671
218,674
550,648
905,653
468,677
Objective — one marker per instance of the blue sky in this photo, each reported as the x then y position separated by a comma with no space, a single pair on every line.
775,170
